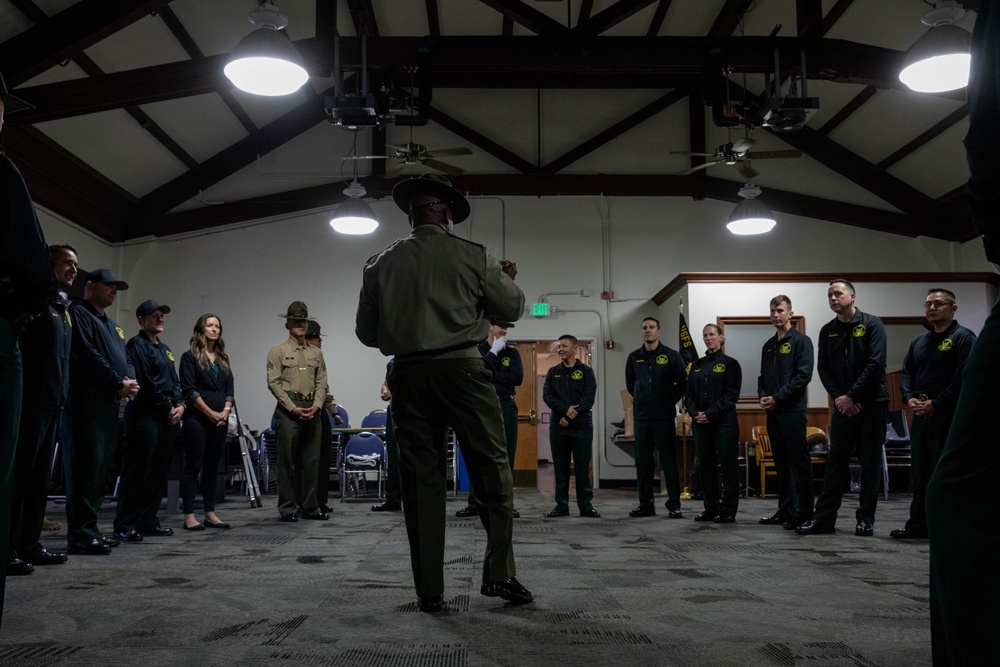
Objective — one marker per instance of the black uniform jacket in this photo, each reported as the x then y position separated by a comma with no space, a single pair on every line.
159,387
656,380
98,360
213,388
852,358
45,348
933,366
508,373
564,387
713,387
786,368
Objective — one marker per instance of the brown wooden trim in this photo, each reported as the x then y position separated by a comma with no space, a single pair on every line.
684,279
903,319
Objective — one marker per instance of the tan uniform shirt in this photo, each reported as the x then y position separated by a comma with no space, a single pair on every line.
431,293
299,369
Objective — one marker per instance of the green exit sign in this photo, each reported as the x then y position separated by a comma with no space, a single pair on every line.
540,309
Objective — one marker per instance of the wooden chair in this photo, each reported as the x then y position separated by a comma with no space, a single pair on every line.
812,433
763,456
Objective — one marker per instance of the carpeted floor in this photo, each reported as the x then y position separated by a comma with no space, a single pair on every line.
608,591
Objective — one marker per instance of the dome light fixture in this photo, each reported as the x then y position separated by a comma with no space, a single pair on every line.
265,62
750,216
354,216
939,60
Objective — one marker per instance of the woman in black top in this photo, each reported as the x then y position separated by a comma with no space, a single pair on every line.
207,385
713,389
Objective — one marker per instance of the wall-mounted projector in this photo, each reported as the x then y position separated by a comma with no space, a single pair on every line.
352,112
788,114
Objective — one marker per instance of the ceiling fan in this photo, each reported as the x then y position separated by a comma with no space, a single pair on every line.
737,154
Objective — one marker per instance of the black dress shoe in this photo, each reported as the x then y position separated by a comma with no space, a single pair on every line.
813,528
91,548
775,520
159,531
908,534
221,525
110,540
864,529
46,557
642,511
431,605
316,516
510,589
705,516
514,513
675,514
590,513
325,508
17,567
290,518
129,536
387,506
725,518
557,512
196,526
792,524
467,512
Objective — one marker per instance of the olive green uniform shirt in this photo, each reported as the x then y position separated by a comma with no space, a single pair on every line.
431,293
299,370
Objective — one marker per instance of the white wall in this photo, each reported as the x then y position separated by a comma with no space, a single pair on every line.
248,274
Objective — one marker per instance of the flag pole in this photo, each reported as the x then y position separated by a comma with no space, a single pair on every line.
687,349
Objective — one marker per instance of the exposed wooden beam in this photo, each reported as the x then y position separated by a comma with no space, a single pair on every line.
68,33
611,16
809,18
835,13
528,16
696,138
60,182
363,16
615,131
433,20
656,23
485,143
845,112
729,18
925,136
232,159
586,7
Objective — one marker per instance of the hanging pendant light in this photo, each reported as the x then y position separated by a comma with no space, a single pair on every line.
265,62
939,61
750,216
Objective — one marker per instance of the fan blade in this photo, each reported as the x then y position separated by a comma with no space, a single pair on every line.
690,153
442,166
446,152
748,172
699,167
366,157
743,145
767,155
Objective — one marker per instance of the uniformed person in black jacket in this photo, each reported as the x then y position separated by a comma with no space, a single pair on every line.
932,381
101,376
569,390
45,345
852,348
713,388
786,368
508,374
655,377
150,424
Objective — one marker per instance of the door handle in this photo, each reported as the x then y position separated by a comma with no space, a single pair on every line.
530,418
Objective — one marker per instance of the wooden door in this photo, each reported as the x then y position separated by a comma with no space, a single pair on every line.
526,459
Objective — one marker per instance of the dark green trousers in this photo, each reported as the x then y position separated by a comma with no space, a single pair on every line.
87,460
427,397
35,442
927,438
656,435
866,431
146,457
508,410
718,460
10,416
325,457
962,508
578,442
393,491
298,460
787,432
